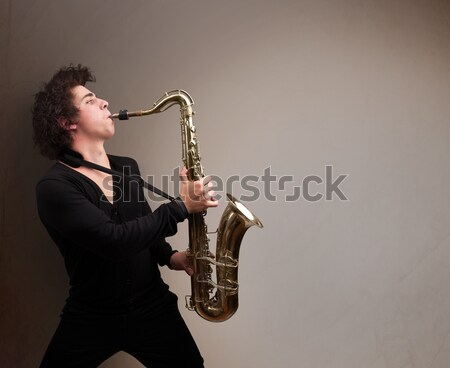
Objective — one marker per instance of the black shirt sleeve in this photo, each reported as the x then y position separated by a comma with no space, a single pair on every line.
70,217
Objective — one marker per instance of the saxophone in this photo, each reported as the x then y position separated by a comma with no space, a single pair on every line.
213,301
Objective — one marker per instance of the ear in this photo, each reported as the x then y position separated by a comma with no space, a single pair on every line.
65,124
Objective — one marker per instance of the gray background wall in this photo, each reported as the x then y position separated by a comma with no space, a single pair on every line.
292,86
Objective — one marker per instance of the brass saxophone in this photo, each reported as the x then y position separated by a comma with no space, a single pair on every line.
213,301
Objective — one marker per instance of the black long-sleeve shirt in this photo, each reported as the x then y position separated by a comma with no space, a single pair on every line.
110,250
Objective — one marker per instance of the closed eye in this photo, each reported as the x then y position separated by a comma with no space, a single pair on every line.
89,98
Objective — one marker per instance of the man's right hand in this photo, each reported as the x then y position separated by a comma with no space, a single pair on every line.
197,195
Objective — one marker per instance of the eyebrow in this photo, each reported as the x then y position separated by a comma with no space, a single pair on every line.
90,94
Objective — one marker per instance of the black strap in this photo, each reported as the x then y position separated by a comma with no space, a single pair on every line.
74,159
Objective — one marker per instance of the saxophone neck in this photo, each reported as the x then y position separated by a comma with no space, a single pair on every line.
175,97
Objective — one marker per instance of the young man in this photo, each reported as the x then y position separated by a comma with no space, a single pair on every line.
109,238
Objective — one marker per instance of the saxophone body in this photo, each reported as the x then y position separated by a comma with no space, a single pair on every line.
215,301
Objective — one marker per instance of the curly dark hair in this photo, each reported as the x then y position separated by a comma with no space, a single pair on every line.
53,102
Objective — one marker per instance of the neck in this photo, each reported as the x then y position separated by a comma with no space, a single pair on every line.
93,153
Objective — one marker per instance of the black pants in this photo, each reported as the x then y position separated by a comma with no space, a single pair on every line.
161,341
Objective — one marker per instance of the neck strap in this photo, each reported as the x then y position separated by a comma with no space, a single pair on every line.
75,159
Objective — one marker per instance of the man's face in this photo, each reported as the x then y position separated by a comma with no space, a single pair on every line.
93,120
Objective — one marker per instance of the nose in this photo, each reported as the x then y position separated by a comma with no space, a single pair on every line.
104,104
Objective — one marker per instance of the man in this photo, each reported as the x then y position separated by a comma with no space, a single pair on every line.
109,238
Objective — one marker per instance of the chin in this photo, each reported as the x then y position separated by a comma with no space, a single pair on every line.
108,136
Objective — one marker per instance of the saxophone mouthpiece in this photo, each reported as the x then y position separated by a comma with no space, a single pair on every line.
122,115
